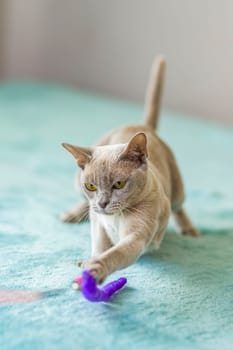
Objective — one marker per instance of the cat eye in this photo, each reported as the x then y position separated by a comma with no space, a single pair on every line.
90,187
119,184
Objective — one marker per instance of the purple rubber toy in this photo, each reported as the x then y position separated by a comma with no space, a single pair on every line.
90,290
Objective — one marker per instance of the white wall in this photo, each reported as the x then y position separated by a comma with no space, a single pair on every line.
41,39
108,46
2,35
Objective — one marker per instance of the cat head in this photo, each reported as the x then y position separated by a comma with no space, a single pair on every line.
112,176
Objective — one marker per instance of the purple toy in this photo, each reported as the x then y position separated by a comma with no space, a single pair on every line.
91,292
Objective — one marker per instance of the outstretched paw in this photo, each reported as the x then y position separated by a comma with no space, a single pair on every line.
96,268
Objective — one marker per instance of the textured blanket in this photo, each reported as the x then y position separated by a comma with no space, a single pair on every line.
180,297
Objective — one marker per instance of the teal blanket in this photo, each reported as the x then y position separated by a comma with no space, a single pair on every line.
181,297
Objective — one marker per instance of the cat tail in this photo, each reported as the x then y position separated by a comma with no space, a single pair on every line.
154,93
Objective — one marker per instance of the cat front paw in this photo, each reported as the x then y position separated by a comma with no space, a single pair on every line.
96,268
78,214
69,216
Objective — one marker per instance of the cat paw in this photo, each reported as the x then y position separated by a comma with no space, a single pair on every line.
67,217
192,231
96,268
71,217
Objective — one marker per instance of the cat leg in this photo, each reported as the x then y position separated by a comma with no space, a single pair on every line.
135,236
100,241
78,214
118,257
184,224
156,242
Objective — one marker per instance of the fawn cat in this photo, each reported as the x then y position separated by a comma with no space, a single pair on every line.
132,184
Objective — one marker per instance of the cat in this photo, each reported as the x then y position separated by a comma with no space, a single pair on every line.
132,184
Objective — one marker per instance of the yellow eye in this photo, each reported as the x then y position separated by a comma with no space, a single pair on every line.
119,184
90,187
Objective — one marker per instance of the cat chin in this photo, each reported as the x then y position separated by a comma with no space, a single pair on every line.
105,212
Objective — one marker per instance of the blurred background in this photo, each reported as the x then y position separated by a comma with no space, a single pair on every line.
108,46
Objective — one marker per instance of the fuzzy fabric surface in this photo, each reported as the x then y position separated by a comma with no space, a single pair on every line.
177,298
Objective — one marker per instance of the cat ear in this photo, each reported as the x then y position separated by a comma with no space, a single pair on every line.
136,149
83,155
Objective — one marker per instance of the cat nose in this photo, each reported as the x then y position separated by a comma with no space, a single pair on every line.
103,204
